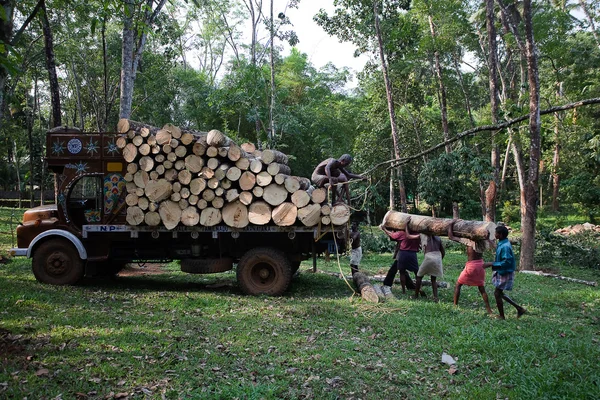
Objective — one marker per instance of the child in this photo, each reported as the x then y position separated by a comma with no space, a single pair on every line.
474,273
432,263
504,272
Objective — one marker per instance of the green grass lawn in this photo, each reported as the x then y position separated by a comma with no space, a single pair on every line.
172,335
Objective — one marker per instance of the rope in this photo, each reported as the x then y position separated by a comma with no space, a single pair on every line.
337,254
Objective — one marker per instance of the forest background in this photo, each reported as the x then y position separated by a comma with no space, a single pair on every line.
472,109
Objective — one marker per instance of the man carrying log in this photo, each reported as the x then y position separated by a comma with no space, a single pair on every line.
333,172
405,260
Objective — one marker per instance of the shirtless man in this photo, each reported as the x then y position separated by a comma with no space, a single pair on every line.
333,171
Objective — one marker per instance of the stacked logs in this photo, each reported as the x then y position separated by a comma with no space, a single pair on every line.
176,176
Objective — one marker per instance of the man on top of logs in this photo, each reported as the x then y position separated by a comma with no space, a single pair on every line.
333,172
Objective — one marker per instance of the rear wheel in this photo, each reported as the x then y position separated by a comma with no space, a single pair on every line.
264,270
57,262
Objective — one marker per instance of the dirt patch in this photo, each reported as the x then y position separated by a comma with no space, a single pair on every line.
142,269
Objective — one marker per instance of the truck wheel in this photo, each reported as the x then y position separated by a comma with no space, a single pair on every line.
206,266
57,262
264,270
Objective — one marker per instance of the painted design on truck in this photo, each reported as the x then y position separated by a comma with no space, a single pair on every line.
79,168
74,146
92,216
92,147
58,148
111,148
114,187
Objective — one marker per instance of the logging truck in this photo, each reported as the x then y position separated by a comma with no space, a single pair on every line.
145,194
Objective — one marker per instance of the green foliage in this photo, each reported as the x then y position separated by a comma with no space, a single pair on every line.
580,250
373,240
510,212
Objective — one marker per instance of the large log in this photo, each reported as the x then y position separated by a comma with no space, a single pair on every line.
247,180
248,147
474,230
364,287
190,216
130,152
217,138
275,194
310,215
170,214
152,218
340,214
285,214
125,125
292,184
135,215
300,198
263,178
159,190
194,163
173,130
210,216
319,195
235,214
255,165
269,156
275,168
259,213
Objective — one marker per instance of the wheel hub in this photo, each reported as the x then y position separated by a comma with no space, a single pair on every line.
57,264
263,273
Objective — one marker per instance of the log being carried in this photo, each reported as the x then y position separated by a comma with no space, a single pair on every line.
177,176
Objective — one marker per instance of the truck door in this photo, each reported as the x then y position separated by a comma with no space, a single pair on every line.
84,202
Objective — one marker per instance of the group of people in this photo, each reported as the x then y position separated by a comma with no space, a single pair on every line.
405,261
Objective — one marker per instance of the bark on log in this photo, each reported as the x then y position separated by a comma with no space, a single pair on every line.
285,214
275,194
275,168
170,214
564,278
310,215
259,213
304,182
474,230
235,214
269,156
135,215
210,216
340,214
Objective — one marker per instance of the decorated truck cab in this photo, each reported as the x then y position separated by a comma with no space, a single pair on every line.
87,233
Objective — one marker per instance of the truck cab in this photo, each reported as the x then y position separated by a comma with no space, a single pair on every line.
86,233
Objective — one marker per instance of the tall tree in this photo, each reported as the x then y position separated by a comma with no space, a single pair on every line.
56,119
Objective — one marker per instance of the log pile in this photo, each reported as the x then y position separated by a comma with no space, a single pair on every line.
177,176
474,230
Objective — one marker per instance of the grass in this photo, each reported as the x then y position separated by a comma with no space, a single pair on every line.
173,336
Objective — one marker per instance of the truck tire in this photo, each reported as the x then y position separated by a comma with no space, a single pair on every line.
57,262
264,270
206,266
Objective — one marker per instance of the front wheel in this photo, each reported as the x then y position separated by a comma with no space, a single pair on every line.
264,270
57,262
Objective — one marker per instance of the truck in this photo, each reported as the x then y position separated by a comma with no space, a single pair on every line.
86,233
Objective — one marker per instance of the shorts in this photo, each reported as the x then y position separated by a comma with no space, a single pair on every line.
407,261
503,282
431,265
355,256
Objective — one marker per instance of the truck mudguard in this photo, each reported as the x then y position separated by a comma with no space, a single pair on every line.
62,233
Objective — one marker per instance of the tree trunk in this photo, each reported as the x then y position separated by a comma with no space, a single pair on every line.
51,67
528,223
391,107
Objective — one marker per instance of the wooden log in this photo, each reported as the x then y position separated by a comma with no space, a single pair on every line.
166,148
259,213
218,202
319,195
179,165
235,214
125,125
141,179
173,130
199,147
223,151
190,216
365,288
243,163
130,187
275,168
247,180
163,137
184,177
153,175
202,204
186,138
232,195
285,214
233,174
219,192
144,132
304,182
172,157
130,152
217,138
340,214
325,209
143,203
168,164
280,178
160,169
300,198
210,216
135,215
275,194
128,177
248,147
197,185
474,230
159,158
174,143
154,149
170,174
132,168
193,199
291,184
176,187
144,149
181,151
151,140
158,190
146,163
225,184
153,206
246,198
310,215
221,172
257,191
194,163
564,278
139,192
183,204
212,151
185,192
137,140
213,163
170,214
176,196
235,152
325,220
255,165
121,142
270,155
212,183
152,218
263,178
131,199
207,173
208,195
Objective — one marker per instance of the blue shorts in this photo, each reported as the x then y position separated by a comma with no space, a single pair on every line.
503,282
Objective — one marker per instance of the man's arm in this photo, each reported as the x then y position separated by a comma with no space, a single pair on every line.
408,234
350,174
